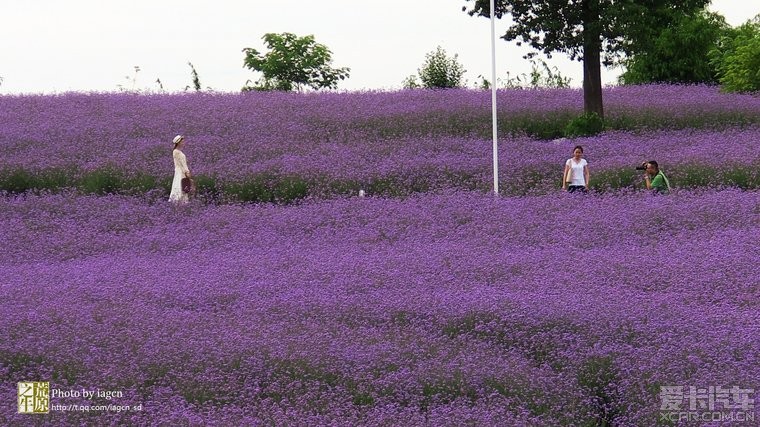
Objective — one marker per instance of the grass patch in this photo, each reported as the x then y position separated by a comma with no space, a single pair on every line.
700,175
446,390
550,125
287,189
594,377
267,188
101,181
615,179
17,181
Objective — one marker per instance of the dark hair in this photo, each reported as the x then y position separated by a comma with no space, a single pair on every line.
654,164
578,147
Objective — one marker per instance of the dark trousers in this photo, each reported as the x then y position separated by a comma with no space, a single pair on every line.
574,188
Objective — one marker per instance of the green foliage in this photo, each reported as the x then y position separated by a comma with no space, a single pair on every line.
362,399
267,188
285,189
411,82
251,190
102,181
615,179
441,71
693,175
19,180
595,377
139,183
678,53
541,76
595,32
483,84
587,124
740,177
447,389
16,181
291,188
196,79
469,123
737,58
564,26
207,189
293,63
394,186
130,81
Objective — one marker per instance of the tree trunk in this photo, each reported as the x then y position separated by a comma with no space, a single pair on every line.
592,82
592,66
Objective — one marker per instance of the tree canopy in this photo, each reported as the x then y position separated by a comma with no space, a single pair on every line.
737,58
293,63
593,31
679,53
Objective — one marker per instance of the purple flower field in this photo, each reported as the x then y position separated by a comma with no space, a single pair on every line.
445,307
448,309
421,140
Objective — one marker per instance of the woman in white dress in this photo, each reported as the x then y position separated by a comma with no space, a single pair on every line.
576,175
180,171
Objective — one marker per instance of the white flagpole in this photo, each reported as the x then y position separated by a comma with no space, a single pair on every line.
493,102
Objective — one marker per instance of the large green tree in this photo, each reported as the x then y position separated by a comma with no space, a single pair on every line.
293,63
593,31
679,53
737,58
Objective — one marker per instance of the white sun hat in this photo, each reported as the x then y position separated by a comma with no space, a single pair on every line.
177,139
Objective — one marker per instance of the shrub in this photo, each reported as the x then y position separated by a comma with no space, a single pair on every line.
441,71
16,181
265,188
289,189
20,180
587,124
252,190
102,181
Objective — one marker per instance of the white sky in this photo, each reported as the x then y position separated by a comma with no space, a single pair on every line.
92,45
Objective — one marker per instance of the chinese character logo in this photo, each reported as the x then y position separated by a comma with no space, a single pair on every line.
33,398
671,398
710,404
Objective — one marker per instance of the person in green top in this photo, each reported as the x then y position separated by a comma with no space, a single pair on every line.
655,179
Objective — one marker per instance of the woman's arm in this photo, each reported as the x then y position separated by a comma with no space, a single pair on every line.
182,161
564,174
587,175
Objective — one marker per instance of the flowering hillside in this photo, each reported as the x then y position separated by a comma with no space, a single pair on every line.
447,306
282,146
